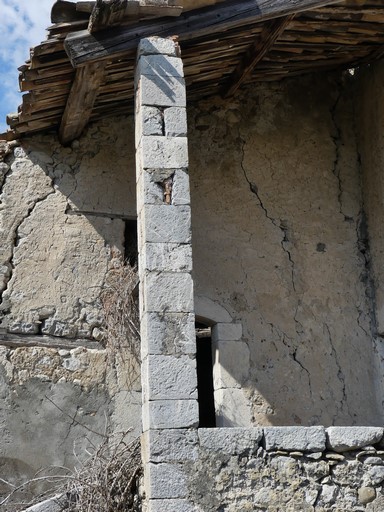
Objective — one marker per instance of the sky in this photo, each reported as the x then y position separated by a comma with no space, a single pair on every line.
22,25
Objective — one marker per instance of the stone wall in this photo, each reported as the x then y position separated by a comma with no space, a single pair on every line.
272,469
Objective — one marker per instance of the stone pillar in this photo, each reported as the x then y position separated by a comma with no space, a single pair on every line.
169,379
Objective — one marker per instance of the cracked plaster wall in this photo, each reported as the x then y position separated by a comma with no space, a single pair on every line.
279,240
61,226
369,98
61,230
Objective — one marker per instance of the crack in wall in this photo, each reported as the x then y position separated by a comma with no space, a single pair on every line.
10,263
366,276
363,248
340,374
337,141
293,354
282,225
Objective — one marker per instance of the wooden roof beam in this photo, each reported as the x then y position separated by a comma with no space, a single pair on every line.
80,101
83,47
107,14
255,53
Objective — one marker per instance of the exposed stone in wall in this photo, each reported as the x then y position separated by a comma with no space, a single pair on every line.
279,242
274,469
62,223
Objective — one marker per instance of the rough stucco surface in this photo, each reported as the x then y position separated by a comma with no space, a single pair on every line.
369,99
280,255
279,242
61,223
61,230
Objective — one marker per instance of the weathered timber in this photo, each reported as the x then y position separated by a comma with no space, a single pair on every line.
85,6
186,4
80,101
255,53
66,11
112,13
337,36
9,135
30,340
83,47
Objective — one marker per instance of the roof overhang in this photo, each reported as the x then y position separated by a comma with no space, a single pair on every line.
84,70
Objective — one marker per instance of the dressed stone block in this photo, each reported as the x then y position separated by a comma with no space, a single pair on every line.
57,503
169,377
342,439
166,257
231,364
165,480
151,186
169,414
171,292
177,445
165,224
148,121
180,188
172,506
168,333
161,91
155,44
227,332
175,122
231,441
151,182
307,439
161,65
157,152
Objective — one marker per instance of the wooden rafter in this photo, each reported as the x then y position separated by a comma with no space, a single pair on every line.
83,47
80,101
108,14
255,53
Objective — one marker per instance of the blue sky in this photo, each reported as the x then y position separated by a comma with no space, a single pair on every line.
22,25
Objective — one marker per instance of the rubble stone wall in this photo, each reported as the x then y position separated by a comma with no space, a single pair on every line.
274,469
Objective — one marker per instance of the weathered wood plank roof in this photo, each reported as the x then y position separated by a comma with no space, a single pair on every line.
224,45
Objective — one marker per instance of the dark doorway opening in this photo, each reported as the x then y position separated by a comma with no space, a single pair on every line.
204,363
130,242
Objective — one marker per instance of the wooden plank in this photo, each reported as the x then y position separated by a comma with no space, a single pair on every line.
112,13
255,53
30,340
65,11
80,101
83,47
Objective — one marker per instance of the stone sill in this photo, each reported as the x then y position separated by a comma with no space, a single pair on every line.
316,439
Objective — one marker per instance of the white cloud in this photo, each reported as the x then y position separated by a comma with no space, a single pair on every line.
22,25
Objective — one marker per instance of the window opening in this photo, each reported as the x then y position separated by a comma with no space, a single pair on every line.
204,363
130,242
